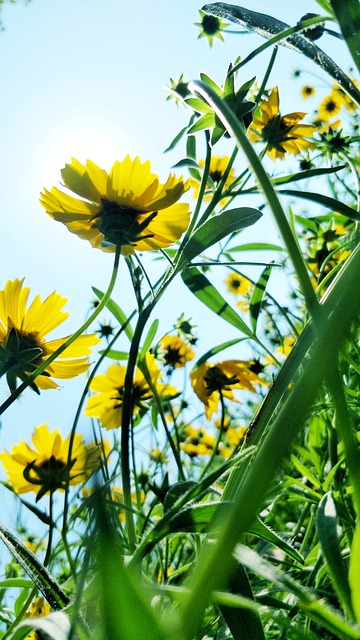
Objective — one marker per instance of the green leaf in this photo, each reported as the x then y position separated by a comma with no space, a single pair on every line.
114,354
262,530
347,13
305,175
354,571
257,297
202,289
40,576
186,162
256,246
246,623
215,229
120,315
330,203
55,626
199,105
19,583
307,600
205,122
220,347
177,139
125,607
149,339
326,525
205,78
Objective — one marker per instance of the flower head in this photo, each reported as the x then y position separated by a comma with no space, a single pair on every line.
38,609
218,166
23,344
307,91
209,381
175,352
197,442
107,403
329,107
282,134
237,284
127,207
44,467
178,90
211,27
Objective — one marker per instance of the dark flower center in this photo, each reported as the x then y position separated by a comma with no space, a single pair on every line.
120,225
172,356
211,25
216,176
330,106
50,474
217,380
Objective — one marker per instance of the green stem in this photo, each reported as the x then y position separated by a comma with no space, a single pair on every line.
43,366
210,574
236,129
346,432
127,411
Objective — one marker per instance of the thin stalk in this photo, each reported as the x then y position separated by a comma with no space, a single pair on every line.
346,432
8,402
210,574
237,130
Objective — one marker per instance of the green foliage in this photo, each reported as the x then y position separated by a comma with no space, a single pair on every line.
224,500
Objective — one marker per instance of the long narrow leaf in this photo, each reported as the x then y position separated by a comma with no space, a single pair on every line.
326,525
268,27
40,576
202,288
326,201
118,313
347,13
215,229
257,297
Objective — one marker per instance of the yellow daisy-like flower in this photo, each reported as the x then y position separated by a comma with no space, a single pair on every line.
307,91
197,442
343,97
127,207
38,609
329,107
217,170
237,284
44,467
107,403
175,352
209,381
282,134
23,330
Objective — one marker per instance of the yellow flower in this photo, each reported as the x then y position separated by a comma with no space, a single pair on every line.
197,442
217,170
107,403
282,134
38,609
175,352
209,381
329,107
343,97
237,284
23,346
44,467
307,91
127,207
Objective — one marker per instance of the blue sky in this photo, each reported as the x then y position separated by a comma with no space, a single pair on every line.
85,78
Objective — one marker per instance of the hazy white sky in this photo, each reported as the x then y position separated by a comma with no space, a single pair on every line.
85,78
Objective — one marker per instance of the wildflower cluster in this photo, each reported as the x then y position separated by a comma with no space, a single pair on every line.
201,437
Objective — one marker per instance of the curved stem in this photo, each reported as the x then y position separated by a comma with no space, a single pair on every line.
236,129
103,302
